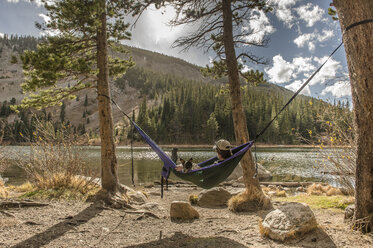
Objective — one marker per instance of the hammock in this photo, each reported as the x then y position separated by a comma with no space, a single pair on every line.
210,173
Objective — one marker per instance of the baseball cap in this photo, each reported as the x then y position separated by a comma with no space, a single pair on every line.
222,145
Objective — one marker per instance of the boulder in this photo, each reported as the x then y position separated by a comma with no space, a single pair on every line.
349,212
288,221
263,174
215,197
183,210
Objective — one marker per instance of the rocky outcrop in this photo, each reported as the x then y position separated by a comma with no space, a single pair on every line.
183,210
288,221
215,197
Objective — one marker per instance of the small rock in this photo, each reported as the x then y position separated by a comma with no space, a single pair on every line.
155,192
349,212
300,189
149,185
183,210
287,221
215,197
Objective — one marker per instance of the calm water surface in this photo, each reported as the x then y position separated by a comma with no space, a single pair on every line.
285,164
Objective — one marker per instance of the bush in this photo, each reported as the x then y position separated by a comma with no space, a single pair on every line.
337,144
55,162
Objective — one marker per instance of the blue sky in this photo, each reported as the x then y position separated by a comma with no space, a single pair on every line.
301,35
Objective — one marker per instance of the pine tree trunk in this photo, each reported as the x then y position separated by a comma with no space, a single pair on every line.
239,119
109,174
358,42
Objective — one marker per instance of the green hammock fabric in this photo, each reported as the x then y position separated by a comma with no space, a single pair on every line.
210,177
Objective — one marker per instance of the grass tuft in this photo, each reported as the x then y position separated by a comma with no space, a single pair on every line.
319,189
193,199
3,191
337,202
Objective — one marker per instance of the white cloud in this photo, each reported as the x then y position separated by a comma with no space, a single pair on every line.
326,35
37,2
281,70
310,39
260,26
296,86
328,72
306,39
283,11
310,13
1,35
303,64
339,89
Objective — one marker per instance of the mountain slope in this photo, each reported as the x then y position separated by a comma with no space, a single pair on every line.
156,77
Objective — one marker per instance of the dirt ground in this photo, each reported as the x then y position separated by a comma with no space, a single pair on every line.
80,224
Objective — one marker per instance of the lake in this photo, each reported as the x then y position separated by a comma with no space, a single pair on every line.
285,164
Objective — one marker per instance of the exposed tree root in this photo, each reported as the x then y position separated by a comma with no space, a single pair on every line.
21,204
117,199
251,200
364,225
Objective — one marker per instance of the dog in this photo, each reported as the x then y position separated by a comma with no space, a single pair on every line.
187,166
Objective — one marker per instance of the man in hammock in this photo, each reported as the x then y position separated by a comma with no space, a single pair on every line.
223,150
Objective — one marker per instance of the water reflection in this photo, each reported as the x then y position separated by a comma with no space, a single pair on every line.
286,164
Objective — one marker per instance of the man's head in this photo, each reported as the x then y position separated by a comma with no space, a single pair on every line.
223,147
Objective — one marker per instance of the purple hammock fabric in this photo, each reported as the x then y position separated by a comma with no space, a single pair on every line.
169,165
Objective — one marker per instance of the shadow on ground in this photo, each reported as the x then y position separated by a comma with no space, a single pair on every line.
317,238
61,228
181,240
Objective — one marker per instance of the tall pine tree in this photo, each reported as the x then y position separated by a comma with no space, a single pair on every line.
78,54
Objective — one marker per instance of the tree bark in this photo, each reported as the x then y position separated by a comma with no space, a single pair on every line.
109,174
239,119
358,42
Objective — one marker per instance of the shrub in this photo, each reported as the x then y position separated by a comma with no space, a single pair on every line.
55,161
337,144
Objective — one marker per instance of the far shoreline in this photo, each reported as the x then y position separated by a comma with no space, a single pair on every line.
203,146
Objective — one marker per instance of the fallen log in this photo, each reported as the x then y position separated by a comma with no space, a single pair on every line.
289,184
21,204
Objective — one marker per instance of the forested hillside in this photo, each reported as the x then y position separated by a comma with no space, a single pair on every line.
170,98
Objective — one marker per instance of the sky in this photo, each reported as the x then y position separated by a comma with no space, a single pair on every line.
301,36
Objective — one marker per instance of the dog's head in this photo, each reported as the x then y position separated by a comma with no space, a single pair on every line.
187,165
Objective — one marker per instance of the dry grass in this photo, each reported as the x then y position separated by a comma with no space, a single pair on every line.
26,187
339,138
319,189
3,192
55,162
250,200
337,202
274,192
